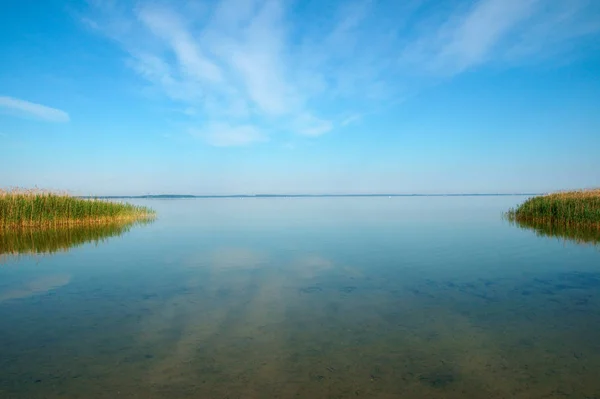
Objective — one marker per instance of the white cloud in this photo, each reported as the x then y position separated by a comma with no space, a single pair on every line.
167,26
309,125
478,32
268,71
225,135
234,62
33,109
513,31
351,119
317,130
260,61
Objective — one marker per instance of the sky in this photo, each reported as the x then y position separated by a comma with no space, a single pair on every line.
300,96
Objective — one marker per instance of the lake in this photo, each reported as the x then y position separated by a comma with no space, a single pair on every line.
402,297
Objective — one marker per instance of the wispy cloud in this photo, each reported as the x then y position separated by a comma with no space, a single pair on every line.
22,107
509,31
243,71
351,119
223,134
478,32
308,125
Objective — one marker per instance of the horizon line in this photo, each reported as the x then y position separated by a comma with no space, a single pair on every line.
309,195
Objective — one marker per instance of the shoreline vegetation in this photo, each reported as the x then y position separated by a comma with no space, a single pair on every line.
579,208
21,208
572,215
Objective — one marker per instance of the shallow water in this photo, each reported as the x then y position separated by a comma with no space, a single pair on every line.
435,297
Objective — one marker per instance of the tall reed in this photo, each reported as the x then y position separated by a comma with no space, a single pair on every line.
38,208
566,208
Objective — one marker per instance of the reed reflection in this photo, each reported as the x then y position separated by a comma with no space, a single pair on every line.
579,233
34,241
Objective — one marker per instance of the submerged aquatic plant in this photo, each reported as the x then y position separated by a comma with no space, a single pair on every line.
40,208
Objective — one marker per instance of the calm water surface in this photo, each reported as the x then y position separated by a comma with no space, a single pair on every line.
434,297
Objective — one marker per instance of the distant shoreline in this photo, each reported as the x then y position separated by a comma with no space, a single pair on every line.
184,196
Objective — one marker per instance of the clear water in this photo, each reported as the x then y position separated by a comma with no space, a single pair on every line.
434,297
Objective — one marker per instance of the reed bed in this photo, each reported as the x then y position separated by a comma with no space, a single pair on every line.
570,208
38,208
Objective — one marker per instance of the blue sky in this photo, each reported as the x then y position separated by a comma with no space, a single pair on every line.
281,96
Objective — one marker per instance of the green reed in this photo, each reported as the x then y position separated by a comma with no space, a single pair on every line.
36,208
576,208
